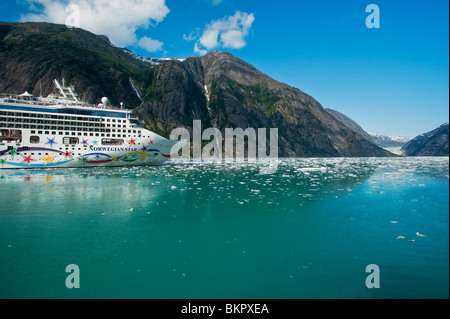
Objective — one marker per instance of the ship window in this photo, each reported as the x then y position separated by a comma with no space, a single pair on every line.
70,140
112,141
33,132
34,139
47,133
39,132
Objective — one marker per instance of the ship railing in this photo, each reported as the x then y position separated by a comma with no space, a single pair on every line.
16,99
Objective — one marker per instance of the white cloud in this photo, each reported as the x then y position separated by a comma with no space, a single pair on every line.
119,20
149,44
193,35
199,51
209,39
228,32
215,2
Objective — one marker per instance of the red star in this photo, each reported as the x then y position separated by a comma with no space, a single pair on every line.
132,141
67,154
151,142
27,159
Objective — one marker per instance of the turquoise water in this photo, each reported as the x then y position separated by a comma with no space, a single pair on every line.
228,230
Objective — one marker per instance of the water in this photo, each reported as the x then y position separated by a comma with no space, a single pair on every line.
227,230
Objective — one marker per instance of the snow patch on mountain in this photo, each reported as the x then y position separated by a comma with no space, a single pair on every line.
151,61
389,140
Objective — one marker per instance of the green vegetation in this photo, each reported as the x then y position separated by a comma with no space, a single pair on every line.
262,96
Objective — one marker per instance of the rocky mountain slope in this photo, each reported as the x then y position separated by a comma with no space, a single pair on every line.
33,54
344,119
433,143
224,91
218,89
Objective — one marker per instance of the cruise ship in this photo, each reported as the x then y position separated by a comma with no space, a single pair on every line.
61,131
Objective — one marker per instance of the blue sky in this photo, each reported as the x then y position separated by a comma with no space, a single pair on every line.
391,80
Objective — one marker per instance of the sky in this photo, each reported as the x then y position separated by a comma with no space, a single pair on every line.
391,79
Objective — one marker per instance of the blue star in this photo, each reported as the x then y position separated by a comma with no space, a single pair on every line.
94,142
51,141
85,142
144,148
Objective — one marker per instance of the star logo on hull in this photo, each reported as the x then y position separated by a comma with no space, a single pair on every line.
51,141
27,159
49,159
68,154
13,152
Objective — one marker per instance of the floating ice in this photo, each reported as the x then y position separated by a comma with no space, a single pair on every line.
420,235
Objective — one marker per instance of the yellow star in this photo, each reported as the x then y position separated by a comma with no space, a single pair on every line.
49,159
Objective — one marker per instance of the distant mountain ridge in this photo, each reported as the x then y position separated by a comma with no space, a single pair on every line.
219,89
392,144
432,143
389,141
350,124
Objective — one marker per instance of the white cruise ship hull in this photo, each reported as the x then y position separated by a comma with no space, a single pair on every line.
64,132
91,155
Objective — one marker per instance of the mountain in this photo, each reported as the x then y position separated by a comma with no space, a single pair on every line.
388,141
433,143
33,54
219,89
224,91
344,119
